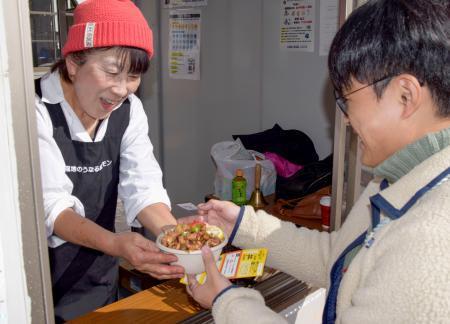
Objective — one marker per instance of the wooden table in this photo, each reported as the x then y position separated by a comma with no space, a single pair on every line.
164,303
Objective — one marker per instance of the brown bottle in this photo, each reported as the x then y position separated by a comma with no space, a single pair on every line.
257,198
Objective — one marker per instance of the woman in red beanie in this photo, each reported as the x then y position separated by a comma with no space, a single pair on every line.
94,147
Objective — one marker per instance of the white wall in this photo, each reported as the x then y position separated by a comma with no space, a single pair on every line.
150,89
197,114
247,84
296,91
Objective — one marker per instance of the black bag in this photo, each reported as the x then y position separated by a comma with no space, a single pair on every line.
311,178
293,145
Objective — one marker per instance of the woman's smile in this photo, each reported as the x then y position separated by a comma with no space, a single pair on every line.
108,105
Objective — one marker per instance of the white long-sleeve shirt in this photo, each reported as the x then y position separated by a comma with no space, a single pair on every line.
140,180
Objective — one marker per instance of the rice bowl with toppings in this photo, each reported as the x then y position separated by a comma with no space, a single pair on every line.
186,240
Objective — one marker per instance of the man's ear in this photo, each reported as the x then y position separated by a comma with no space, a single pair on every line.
410,92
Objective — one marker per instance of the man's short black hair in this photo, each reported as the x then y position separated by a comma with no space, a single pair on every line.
389,37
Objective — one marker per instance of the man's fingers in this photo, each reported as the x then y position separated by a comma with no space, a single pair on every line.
192,284
190,219
214,206
209,208
207,205
208,260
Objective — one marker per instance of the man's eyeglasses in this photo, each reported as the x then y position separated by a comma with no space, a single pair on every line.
342,101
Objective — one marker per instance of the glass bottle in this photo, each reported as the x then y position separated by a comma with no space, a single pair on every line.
239,188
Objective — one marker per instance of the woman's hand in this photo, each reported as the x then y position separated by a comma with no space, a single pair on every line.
215,281
216,212
145,256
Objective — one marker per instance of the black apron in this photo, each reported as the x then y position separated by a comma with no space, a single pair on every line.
84,279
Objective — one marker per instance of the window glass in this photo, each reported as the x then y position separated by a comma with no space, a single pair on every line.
41,5
49,20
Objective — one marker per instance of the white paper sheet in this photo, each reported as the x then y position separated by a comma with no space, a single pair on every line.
329,14
187,206
297,25
184,3
184,44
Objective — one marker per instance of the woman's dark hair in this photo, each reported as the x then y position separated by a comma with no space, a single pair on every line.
138,58
389,37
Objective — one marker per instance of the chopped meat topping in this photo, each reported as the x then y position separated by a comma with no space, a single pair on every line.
190,237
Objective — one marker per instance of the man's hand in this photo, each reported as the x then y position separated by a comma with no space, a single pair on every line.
215,281
145,256
216,212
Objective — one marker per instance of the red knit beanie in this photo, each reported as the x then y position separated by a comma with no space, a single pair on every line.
104,23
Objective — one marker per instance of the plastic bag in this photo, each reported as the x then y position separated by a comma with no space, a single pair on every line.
229,156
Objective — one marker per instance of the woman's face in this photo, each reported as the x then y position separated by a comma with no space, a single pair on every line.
100,84
376,121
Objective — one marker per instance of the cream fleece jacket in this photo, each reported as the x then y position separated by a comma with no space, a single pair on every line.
404,277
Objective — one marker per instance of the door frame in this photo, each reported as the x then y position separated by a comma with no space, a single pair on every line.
20,159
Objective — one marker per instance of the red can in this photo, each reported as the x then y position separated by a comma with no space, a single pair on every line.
325,207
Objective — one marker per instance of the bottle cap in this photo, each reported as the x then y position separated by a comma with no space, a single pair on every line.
325,201
239,172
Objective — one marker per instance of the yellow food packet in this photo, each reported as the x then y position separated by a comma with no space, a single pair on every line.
238,264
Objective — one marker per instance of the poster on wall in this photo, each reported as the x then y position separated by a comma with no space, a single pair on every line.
184,44
297,25
329,13
184,3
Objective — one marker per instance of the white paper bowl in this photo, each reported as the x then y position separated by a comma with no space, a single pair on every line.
191,261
